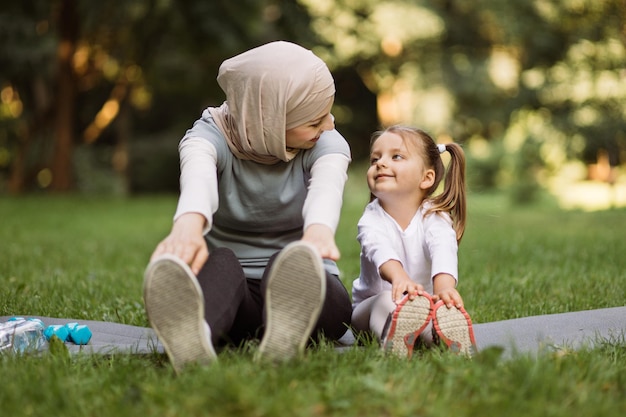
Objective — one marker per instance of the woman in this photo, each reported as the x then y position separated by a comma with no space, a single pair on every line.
252,253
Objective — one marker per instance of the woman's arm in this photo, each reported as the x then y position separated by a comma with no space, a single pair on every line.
322,206
196,205
198,179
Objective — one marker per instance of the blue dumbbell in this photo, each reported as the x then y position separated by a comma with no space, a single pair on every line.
60,331
79,333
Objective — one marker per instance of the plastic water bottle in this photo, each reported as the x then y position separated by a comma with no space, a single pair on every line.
21,335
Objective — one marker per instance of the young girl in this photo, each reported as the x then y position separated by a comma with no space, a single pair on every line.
252,251
409,240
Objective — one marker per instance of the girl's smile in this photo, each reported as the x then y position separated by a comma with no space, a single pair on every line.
395,169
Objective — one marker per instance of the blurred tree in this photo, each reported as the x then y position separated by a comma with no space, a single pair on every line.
571,71
118,76
79,73
26,60
66,20
73,83
464,69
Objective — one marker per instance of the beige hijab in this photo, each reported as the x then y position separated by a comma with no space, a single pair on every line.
270,89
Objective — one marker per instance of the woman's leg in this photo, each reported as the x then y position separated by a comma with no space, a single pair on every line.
175,308
294,291
232,310
334,318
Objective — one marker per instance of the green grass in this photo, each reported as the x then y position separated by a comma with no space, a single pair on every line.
83,258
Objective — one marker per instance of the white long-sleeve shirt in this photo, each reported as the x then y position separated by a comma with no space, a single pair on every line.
427,247
256,209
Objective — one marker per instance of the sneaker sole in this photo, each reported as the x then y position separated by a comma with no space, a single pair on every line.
296,289
454,328
175,308
408,321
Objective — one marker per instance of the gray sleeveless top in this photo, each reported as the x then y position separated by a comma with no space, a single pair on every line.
260,206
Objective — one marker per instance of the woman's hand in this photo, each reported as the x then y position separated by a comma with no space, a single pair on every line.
323,238
186,241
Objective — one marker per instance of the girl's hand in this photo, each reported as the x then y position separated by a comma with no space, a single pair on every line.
401,287
323,238
444,290
393,272
186,242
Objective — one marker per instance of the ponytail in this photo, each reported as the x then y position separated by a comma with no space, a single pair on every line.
452,199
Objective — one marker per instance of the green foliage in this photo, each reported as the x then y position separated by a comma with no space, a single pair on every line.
467,68
154,164
483,165
527,163
461,70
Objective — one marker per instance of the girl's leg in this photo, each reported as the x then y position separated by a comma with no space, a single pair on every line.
232,303
371,315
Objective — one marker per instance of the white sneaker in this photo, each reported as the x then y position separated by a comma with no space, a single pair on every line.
453,326
296,289
175,307
408,321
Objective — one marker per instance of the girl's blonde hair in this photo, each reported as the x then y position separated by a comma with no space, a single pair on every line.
452,198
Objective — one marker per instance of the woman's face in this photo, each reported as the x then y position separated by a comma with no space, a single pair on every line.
306,136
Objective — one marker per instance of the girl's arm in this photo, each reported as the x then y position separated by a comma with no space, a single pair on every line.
443,247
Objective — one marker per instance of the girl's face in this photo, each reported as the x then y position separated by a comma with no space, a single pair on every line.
306,136
397,170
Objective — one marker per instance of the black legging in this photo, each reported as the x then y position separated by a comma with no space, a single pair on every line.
234,303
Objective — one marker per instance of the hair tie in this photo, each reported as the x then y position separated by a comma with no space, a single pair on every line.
441,147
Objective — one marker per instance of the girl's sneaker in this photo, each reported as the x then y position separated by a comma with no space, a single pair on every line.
453,326
296,289
408,321
175,307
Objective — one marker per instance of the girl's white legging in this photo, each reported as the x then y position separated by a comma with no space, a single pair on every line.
371,314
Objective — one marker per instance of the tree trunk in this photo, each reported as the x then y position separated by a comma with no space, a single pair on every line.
15,183
65,102
121,155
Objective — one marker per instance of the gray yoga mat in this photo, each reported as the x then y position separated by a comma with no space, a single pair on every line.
573,330
532,335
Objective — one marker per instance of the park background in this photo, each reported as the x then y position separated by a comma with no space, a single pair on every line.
95,96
